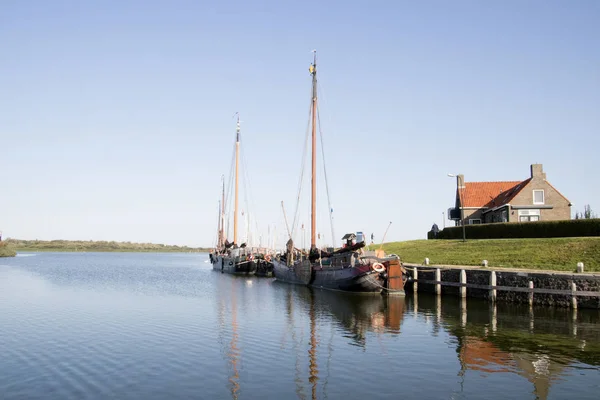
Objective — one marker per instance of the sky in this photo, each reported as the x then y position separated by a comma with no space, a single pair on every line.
117,117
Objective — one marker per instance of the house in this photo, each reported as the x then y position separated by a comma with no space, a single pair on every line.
533,199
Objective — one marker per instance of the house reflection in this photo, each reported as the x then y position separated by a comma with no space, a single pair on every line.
537,344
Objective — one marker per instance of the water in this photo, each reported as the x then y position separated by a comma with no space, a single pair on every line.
155,326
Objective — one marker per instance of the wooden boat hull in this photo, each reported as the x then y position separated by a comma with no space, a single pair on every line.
233,265
358,279
264,268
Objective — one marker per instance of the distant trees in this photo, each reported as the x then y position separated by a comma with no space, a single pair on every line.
586,214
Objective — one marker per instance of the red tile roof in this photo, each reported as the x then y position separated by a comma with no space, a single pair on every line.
490,194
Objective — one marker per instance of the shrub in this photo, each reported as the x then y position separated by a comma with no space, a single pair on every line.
512,230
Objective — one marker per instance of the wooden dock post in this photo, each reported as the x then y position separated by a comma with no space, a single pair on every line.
415,277
530,294
493,283
573,295
463,279
438,278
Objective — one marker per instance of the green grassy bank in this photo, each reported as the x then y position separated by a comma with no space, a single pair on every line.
560,254
6,250
82,245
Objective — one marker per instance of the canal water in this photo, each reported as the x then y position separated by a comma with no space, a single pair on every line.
165,326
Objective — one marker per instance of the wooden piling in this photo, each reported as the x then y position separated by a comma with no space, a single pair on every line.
530,293
493,283
415,277
463,280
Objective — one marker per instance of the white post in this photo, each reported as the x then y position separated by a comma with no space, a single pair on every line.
438,278
579,267
493,283
573,295
463,279
530,293
415,277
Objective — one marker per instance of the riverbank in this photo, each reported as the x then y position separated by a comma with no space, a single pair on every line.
6,250
100,246
554,254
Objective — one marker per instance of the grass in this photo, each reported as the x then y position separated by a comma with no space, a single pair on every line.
560,254
103,246
6,250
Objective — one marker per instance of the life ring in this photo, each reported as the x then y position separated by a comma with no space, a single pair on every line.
378,267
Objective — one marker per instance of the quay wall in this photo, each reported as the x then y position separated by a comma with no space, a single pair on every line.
449,284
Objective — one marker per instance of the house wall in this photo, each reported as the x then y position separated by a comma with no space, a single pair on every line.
561,209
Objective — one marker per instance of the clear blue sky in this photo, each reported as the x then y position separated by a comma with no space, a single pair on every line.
116,116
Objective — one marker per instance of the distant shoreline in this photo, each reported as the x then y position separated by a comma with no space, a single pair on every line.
79,246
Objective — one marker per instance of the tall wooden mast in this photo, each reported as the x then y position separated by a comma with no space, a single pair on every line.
222,216
313,215
237,162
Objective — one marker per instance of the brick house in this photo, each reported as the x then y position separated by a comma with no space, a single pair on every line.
533,199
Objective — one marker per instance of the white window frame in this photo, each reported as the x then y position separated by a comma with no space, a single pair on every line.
474,219
543,196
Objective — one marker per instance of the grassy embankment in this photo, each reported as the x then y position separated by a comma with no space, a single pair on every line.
560,254
6,250
81,245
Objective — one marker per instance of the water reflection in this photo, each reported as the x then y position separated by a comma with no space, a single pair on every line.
355,315
227,293
539,344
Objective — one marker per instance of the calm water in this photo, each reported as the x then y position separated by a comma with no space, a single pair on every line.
165,326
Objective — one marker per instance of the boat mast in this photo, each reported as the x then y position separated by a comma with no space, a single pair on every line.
237,159
313,215
222,216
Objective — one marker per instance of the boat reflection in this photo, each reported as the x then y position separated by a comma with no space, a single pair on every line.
539,344
231,346
360,314
356,315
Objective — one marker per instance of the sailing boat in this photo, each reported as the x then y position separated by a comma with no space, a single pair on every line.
229,257
345,269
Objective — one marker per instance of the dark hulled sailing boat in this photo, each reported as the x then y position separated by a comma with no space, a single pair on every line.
344,269
229,257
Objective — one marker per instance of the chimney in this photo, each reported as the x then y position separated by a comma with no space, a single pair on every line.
537,171
460,181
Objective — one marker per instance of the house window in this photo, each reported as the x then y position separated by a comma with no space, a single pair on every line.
474,221
529,215
538,197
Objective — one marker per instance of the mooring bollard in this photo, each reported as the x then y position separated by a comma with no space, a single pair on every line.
531,293
426,261
579,267
438,278
484,263
573,295
463,279
493,283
